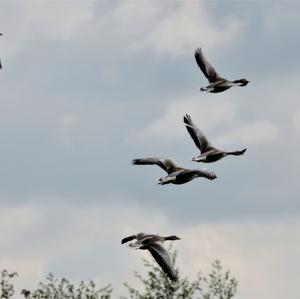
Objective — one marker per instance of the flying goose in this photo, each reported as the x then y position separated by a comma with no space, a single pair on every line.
208,153
176,175
217,83
153,243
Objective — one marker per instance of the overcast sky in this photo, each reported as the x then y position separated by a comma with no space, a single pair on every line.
88,86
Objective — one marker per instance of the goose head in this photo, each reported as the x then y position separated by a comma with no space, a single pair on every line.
241,82
172,238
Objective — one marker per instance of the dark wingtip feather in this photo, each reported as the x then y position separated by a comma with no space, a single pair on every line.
212,176
187,118
173,278
198,51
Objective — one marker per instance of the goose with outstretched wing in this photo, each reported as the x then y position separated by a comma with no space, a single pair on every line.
154,244
216,82
208,153
176,174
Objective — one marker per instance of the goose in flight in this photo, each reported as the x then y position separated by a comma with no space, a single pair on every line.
176,175
208,153
217,83
153,243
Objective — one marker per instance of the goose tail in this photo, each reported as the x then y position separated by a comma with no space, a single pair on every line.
238,153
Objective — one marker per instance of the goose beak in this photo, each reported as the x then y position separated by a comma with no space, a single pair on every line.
159,181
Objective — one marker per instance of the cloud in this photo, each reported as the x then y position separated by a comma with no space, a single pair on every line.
208,116
17,220
55,20
179,27
260,255
170,128
58,20
256,132
187,26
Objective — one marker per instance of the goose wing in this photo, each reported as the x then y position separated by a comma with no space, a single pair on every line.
192,173
162,257
199,138
207,69
210,175
166,164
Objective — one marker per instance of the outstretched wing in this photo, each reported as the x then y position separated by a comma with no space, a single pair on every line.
162,257
210,175
199,138
207,69
166,164
189,174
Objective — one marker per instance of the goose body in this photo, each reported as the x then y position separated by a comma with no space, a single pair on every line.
176,175
154,244
208,153
216,82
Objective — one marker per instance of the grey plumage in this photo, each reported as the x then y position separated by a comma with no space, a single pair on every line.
217,83
208,153
153,243
176,174
166,164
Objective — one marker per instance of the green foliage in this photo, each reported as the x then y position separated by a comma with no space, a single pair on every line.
7,288
156,285
218,284
63,289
